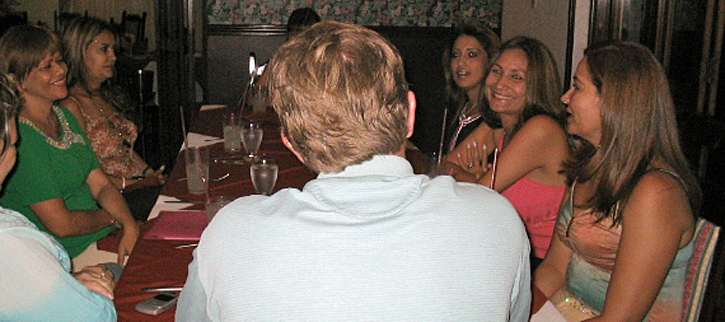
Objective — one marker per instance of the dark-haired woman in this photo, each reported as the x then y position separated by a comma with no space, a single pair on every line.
522,103
99,106
58,183
465,63
624,235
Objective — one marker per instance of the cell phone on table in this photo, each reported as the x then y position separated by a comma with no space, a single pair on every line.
158,303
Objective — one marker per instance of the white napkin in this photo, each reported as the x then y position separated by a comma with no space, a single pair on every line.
196,139
211,107
548,313
163,205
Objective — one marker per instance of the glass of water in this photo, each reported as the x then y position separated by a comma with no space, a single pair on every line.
252,138
197,169
213,205
264,174
232,133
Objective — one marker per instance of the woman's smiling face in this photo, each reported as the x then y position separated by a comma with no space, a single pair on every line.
46,82
506,82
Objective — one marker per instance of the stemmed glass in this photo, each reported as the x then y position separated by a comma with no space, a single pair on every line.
264,172
252,138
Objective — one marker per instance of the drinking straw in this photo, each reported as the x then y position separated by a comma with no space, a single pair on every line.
443,135
183,126
495,162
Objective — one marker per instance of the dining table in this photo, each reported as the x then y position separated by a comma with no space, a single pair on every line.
162,263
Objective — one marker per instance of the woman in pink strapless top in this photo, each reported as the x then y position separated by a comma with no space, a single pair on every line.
526,142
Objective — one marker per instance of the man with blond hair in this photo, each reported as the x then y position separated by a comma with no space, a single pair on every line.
368,240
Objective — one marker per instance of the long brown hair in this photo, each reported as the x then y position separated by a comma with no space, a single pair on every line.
10,102
77,36
638,126
456,96
543,84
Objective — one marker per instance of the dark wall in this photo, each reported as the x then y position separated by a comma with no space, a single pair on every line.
228,48
227,53
422,49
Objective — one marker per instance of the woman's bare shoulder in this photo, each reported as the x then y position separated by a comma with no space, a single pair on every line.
544,124
660,199
74,105
544,131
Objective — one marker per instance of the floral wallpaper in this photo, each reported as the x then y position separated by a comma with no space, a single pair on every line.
421,13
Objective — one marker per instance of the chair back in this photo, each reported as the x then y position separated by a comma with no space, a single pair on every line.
62,19
698,271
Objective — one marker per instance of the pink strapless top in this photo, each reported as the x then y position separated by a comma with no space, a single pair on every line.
538,206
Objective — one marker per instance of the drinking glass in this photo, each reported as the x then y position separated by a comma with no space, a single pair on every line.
252,138
258,99
197,169
434,161
264,174
232,133
213,205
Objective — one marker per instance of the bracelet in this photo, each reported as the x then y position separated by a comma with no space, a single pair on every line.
115,222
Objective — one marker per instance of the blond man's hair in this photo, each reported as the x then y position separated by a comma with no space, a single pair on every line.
341,95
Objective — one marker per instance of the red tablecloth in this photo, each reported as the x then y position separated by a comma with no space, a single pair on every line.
156,263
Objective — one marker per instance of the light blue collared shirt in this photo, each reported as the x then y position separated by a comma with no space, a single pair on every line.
35,279
374,242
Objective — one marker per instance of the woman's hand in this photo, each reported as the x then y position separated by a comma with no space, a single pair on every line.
96,279
128,241
156,176
467,163
151,178
476,158
457,172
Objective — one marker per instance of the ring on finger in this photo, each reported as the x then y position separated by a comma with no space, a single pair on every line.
470,165
103,274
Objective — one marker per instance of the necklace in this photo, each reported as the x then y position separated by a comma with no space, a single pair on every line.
463,121
67,136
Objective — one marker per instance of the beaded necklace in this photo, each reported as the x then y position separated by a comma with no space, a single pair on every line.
67,137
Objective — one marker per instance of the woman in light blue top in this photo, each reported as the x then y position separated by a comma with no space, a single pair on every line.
34,268
624,233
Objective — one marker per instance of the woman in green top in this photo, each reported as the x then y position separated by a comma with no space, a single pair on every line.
58,183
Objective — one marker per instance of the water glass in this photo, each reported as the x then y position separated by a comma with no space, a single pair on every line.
264,174
232,133
434,161
213,205
197,169
259,99
252,137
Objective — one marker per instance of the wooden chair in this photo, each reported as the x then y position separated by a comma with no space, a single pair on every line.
704,282
712,308
62,19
